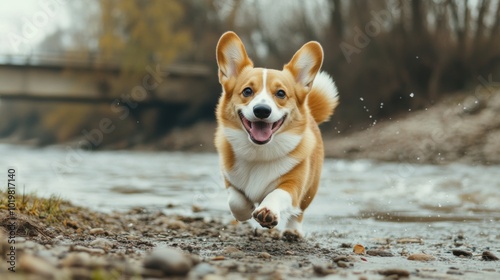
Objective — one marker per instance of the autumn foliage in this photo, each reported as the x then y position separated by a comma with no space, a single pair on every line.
386,56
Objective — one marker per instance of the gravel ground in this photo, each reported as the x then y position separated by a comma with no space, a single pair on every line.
151,245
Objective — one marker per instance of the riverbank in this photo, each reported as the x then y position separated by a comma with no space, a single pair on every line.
461,128
56,240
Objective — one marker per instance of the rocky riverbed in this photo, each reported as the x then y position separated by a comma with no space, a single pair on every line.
77,243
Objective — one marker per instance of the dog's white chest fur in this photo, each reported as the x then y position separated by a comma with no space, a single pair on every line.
257,168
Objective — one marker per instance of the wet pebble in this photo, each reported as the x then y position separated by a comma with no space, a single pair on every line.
31,264
196,208
92,251
323,269
71,224
76,259
346,245
343,258
421,257
47,256
488,256
28,244
454,272
97,231
102,243
201,270
168,260
20,239
169,222
343,264
264,255
176,225
379,253
394,271
461,253
410,240
233,252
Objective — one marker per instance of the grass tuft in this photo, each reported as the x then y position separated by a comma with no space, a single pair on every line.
48,209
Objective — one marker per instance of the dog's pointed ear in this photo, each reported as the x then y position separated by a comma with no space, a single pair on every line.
232,57
305,63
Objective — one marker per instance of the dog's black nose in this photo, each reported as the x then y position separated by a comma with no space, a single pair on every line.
262,111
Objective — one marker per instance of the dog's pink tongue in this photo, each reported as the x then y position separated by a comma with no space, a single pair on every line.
261,131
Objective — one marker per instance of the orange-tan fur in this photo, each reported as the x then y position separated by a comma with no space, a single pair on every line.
305,106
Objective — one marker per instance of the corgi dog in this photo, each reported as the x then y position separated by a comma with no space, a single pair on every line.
270,147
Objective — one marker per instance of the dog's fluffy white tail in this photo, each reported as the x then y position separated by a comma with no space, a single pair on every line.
323,98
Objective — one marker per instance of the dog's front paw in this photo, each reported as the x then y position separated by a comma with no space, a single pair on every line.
265,217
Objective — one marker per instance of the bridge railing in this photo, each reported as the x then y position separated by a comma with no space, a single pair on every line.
57,58
89,60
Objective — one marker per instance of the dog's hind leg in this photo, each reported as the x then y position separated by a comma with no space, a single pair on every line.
294,224
240,205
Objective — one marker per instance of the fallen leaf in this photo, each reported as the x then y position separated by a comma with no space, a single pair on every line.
359,249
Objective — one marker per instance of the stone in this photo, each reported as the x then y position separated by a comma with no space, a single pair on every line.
102,243
233,252
168,260
47,256
421,257
379,253
201,270
34,265
343,264
323,269
97,231
489,256
76,259
461,253
264,255
92,251
395,271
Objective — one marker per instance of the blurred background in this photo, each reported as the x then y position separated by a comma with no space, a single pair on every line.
142,73
418,83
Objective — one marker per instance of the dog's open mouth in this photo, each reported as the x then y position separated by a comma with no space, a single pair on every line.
261,132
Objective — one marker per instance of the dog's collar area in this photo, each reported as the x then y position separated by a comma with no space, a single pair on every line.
260,132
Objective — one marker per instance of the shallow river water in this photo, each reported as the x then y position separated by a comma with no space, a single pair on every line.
396,192
358,201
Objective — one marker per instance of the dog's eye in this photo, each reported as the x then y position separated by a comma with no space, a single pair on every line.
280,94
247,92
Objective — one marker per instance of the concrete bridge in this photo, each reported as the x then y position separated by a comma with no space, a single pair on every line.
50,78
